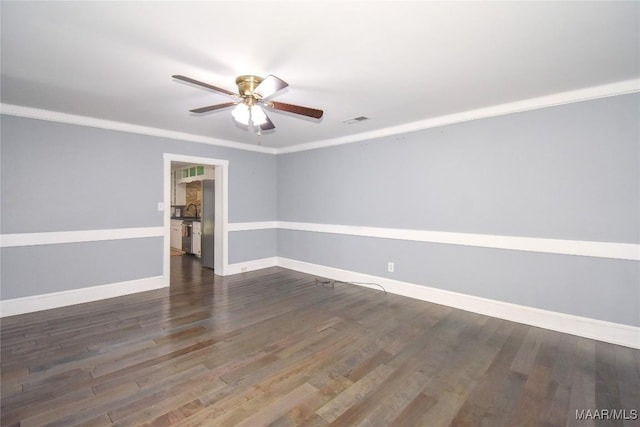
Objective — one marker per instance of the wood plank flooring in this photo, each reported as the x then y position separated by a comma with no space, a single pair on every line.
274,348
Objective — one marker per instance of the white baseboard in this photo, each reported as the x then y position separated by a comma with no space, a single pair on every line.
615,333
12,307
600,330
257,264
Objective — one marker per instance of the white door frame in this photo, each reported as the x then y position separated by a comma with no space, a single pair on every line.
220,230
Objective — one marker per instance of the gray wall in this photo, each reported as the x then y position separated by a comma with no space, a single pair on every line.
567,172
61,177
35,270
252,245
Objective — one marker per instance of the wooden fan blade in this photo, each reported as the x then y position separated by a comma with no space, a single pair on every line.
269,86
297,109
204,85
212,107
269,125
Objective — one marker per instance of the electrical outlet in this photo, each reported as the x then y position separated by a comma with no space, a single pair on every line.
390,267
160,206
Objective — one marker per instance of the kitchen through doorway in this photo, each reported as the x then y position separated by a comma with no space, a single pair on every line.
193,212
194,216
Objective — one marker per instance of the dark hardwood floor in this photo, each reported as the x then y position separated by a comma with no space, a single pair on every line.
273,348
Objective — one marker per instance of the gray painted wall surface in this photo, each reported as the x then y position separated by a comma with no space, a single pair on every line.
34,270
61,177
567,172
252,244
598,288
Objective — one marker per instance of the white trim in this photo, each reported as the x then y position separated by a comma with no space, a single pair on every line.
586,94
78,236
256,264
249,226
626,251
600,330
12,307
579,95
54,116
222,211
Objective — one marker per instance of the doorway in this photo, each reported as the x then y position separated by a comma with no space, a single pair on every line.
219,171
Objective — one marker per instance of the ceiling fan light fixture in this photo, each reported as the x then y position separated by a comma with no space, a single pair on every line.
241,113
244,114
258,116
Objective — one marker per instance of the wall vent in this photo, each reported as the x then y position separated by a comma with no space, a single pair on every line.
356,120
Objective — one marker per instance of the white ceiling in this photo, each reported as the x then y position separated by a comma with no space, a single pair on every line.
395,62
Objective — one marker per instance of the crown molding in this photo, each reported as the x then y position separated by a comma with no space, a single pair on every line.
613,89
54,116
595,92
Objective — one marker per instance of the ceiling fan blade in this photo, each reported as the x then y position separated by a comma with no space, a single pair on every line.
297,109
204,85
212,107
269,86
269,125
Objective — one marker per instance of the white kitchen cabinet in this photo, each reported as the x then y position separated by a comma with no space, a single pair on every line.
194,173
196,240
179,190
176,234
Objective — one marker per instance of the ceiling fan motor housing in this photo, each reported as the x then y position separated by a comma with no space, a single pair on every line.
246,86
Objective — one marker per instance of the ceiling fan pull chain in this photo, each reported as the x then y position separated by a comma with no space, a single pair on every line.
254,126
259,133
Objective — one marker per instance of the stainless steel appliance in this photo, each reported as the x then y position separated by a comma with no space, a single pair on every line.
187,236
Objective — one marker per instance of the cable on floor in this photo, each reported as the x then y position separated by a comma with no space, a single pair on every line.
332,283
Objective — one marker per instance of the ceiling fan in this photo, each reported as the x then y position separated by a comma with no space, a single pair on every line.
254,94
